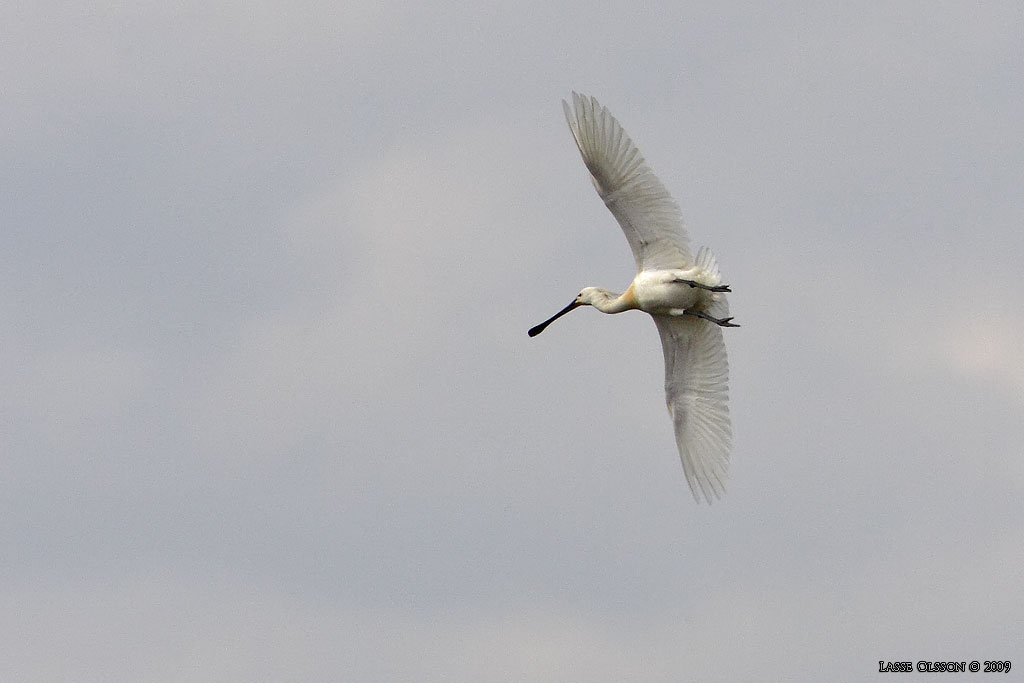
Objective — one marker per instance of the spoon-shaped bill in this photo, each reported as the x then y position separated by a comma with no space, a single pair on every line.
534,331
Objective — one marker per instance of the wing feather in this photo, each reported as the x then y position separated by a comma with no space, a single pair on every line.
697,394
643,207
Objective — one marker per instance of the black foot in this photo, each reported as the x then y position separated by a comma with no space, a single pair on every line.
693,283
724,322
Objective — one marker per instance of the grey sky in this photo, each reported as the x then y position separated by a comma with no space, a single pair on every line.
270,411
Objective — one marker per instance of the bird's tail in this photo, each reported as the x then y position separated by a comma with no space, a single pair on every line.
719,307
706,262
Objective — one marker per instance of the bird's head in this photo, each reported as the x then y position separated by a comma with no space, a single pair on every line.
588,295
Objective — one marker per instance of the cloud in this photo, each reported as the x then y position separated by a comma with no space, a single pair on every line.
986,348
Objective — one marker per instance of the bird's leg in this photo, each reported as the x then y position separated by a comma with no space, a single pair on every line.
694,283
724,322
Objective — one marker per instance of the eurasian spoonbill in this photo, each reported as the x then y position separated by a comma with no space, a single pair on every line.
683,294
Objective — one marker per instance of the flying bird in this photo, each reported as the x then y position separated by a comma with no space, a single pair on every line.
683,293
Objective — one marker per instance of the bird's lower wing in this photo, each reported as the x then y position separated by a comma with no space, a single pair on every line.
697,393
643,207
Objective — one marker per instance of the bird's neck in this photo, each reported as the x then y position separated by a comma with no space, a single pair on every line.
616,303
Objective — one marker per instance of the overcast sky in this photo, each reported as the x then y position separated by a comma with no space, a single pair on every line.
270,412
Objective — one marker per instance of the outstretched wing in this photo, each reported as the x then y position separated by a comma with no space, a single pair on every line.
646,211
697,393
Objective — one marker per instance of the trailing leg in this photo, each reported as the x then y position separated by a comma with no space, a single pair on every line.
724,322
710,288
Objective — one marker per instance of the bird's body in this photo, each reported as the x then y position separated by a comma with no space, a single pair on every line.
666,292
683,294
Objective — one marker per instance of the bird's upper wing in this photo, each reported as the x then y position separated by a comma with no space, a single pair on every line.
646,211
697,393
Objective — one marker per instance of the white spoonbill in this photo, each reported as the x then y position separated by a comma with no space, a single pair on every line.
683,294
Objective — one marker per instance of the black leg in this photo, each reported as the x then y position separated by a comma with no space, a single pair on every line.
693,283
724,322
